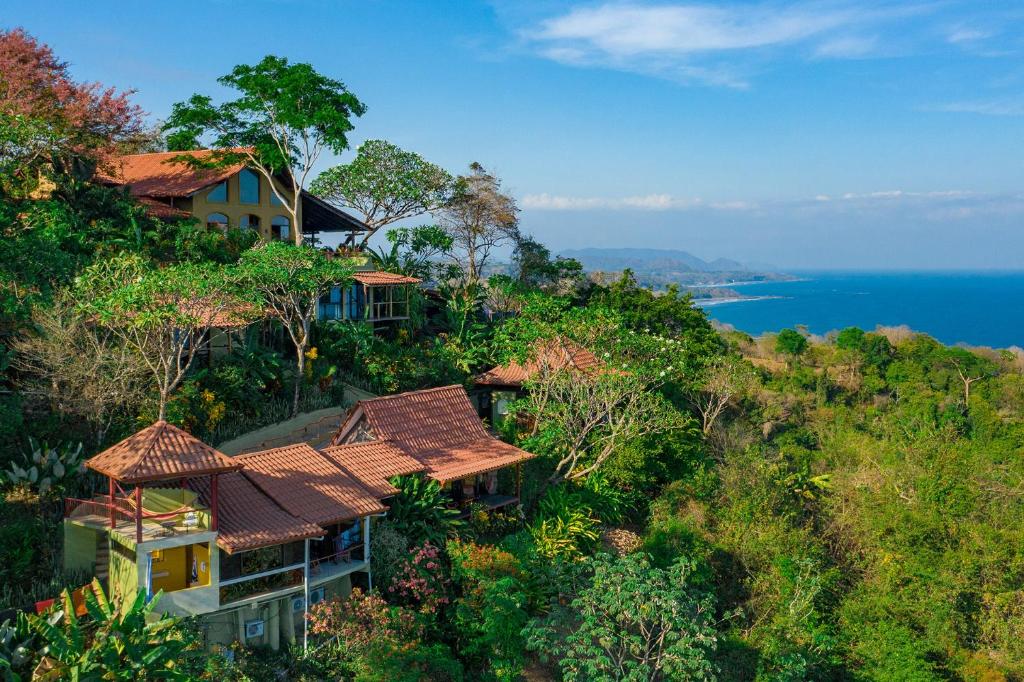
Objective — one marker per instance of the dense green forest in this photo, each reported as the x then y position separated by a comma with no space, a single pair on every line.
705,505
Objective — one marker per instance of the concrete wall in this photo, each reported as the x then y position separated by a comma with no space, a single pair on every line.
234,209
79,548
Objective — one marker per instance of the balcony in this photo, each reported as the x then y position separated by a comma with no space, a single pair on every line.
166,513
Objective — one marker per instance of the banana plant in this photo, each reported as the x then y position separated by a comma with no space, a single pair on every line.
17,648
420,511
111,644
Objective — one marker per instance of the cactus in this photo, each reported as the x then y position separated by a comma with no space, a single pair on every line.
45,468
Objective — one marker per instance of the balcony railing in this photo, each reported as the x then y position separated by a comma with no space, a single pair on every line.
103,512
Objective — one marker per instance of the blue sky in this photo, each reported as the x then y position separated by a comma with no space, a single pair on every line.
804,134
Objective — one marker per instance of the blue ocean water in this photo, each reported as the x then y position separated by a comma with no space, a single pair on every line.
984,309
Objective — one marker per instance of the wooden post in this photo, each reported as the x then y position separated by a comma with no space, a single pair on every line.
113,514
213,501
138,514
519,478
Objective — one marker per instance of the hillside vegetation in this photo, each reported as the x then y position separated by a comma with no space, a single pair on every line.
703,504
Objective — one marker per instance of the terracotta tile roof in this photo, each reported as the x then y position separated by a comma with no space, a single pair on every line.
438,427
155,175
248,519
374,463
307,484
552,354
158,209
471,459
373,278
159,452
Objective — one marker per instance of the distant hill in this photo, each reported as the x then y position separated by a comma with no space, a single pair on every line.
645,260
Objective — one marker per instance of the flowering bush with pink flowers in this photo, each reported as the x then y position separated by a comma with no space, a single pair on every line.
422,580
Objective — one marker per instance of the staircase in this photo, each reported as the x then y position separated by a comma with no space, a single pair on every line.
102,569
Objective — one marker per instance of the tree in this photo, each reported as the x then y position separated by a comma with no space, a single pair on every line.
385,184
851,338
163,314
288,282
790,342
286,116
725,378
412,250
535,268
478,218
46,117
633,623
79,367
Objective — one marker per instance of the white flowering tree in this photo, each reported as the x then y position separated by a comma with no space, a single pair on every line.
581,417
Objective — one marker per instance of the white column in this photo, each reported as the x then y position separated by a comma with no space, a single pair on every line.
305,599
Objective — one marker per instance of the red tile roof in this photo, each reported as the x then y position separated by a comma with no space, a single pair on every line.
160,452
156,175
247,518
437,427
158,209
550,355
374,463
373,278
307,484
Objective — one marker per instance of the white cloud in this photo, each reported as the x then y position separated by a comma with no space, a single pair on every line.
649,202
1002,107
691,42
968,35
668,202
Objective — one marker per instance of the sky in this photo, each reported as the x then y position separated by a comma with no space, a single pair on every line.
807,135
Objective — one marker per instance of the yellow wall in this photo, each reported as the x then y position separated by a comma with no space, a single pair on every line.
169,569
234,209
79,548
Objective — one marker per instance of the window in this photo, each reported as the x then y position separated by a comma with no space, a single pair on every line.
217,221
248,187
280,228
219,193
274,201
356,302
249,222
330,305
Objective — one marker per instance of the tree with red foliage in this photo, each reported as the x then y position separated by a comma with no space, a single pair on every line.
46,117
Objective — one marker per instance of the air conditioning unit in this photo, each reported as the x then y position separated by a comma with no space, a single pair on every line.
253,629
298,603
316,596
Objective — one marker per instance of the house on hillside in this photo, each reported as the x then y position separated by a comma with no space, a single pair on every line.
239,197
499,386
243,542
439,428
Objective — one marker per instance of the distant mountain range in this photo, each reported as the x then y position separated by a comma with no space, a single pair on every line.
663,261
659,268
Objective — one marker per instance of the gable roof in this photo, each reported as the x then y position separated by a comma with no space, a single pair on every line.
160,452
438,427
551,354
247,518
308,484
156,175
374,463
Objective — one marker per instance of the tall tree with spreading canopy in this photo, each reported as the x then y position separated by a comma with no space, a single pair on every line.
478,218
163,314
283,120
385,184
46,117
288,282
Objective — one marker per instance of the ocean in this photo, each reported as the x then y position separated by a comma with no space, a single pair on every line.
977,308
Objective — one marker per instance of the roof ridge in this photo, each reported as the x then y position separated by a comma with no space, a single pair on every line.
407,393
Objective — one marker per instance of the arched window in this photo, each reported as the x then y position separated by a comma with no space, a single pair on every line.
217,221
248,187
219,193
280,228
249,222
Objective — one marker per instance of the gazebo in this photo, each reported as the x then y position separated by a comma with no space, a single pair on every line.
160,453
